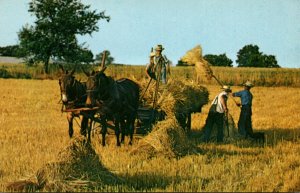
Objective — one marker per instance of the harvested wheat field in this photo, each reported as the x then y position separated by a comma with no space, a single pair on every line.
37,155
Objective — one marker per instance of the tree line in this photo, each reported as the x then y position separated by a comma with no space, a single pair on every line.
248,56
58,23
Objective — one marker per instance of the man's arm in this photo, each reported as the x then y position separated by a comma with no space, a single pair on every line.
237,94
224,103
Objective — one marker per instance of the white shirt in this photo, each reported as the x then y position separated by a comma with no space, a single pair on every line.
220,108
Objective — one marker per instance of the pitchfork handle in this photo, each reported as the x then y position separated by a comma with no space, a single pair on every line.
220,83
146,89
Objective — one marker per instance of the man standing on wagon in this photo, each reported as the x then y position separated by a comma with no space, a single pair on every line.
161,65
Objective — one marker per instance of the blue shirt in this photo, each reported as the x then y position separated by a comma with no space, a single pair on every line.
246,97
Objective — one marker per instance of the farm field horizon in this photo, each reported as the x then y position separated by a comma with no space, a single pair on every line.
228,75
34,131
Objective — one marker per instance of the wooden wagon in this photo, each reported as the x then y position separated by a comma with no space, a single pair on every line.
146,118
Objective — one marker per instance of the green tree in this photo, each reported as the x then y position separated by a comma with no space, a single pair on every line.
270,61
218,60
13,51
181,63
250,56
82,55
56,26
108,58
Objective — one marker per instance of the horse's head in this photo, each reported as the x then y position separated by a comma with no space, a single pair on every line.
95,86
66,81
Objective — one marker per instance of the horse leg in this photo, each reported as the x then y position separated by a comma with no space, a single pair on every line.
70,118
123,130
89,127
117,130
83,126
104,129
131,129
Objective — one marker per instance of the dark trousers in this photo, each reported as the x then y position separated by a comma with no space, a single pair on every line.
245,121
214,117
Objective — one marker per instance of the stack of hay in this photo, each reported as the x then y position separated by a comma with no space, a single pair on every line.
166,139
77,167
230,130
177,97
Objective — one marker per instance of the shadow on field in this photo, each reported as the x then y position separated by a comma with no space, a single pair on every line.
273,137
276,136
148,181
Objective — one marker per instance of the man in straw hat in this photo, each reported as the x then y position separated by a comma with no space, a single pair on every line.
217,113
161,64
245,122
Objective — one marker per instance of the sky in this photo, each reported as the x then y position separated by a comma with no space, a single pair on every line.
219,26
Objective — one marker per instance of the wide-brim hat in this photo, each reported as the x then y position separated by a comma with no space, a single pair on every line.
159,47
226,88
248,84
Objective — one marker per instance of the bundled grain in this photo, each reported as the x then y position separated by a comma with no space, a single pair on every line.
194,57
166,139
77,167
230,130
177,97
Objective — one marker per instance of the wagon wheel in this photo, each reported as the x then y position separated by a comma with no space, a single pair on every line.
96,126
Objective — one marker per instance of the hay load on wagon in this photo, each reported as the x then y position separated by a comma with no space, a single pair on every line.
176,98
188,94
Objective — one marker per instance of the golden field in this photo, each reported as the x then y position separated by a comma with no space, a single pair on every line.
33,131
228,75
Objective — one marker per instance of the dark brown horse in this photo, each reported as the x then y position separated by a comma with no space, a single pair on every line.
118,100
73,95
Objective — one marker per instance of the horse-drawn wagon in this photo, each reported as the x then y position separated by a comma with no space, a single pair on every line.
118,105
146,118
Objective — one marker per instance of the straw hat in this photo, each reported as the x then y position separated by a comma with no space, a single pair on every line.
226,88
248,84
159,47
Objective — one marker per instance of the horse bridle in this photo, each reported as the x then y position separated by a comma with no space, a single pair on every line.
64,91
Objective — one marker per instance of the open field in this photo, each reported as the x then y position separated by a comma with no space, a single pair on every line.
33,132
232,76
